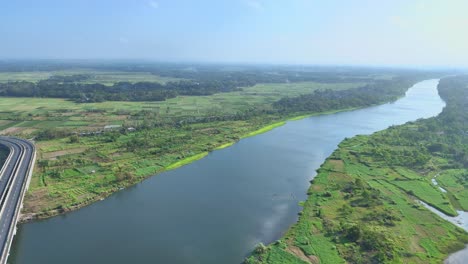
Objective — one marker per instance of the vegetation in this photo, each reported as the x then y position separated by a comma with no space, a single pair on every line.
362,205
86,151
88,76
133,85
325,100
88,86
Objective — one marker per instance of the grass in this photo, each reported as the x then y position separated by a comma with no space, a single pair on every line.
223,146
454,182
186,161
24,76
295,89
72,175
264,129
37,113
103,77
100,163
428,193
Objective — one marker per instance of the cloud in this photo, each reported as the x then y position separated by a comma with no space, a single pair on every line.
153,4
257,5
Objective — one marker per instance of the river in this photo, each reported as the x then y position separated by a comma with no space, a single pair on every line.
217,209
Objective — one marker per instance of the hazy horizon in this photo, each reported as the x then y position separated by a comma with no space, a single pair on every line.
296,32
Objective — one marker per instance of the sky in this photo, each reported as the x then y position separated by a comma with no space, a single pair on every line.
344,32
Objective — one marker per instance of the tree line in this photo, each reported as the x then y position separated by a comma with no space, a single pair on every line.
69,88
445,135
325,100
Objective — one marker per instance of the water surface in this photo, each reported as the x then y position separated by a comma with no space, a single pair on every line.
217,209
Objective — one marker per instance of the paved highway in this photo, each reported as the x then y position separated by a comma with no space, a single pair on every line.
14,178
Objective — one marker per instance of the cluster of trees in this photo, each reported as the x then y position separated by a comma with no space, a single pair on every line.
198,80
324,100
52,133
197,83
70,88
368,243
445,135
315,102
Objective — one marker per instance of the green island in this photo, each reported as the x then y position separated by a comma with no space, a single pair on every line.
103,129
363,207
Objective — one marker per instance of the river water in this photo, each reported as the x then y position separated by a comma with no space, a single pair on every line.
217,209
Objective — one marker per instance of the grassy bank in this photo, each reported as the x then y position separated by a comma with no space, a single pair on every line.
265,129
362,206
88,151
71,175
357,213
186,161
66,175
75,171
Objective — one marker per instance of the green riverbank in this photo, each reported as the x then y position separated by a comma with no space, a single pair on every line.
362,206
75,170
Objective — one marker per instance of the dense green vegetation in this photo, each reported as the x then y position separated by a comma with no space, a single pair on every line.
362,205
85,86
70,87
324,100
86,151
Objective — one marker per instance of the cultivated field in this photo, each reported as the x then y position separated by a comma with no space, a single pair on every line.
103,77
26,115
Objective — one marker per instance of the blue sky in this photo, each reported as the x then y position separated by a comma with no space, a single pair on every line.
380,32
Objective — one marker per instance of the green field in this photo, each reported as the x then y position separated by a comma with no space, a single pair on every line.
22,116
364,204
24,76
103,77
72,174
360,213
454,181
81,161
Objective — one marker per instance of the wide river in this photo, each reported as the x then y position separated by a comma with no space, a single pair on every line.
217,209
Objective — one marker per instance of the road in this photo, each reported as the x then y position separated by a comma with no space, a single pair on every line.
14,180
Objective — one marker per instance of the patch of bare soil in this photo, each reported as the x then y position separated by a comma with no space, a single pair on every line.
299,253
55,154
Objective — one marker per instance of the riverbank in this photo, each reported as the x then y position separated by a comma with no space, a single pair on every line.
259,182
363,204
29,213
247,131
357,210
75,171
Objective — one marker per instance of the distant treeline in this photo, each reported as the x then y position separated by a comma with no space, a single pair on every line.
196,83
319,101
445,135
69,87
325,100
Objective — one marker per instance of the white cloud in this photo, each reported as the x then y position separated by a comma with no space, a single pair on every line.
153,4
257,5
